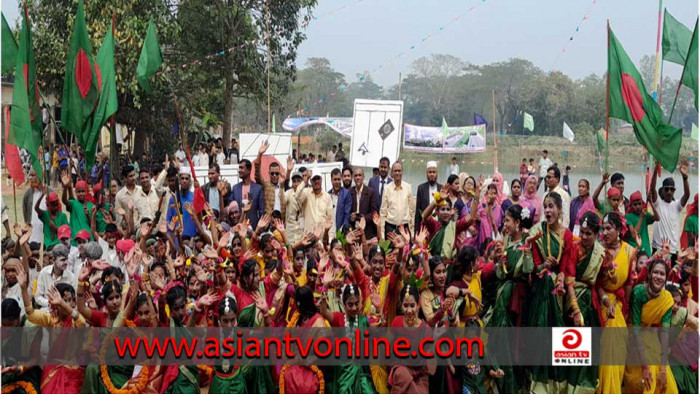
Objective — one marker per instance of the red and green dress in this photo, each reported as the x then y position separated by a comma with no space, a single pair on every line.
545,304
584,379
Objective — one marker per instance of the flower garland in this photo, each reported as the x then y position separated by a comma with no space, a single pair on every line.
294,320
26,386
104,374
314,369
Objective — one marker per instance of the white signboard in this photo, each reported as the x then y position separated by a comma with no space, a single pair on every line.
280,145
229,173
376,131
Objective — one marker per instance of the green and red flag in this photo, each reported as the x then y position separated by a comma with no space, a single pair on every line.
9,47
150,59
690,69
107,104
80,86
25,120
629,101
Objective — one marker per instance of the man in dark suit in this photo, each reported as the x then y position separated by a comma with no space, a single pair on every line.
380,181
365,205
425,192
248,192
341,200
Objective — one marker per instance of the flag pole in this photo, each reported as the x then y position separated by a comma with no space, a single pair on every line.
267,31
113,158
14,197
495,138
607,107
658,54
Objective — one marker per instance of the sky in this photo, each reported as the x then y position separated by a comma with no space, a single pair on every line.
368,35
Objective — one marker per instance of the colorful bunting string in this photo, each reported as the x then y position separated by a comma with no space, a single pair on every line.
583,20
423,40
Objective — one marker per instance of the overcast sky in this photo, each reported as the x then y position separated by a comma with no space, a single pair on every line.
367,34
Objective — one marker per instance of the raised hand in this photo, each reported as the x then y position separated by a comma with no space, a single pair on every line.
55,298
209,299
99,265
533,238
166,164
225,239
421,236
146,228
120,211
25,238
84,273
17,229
157,281
396,240
606,177
362,223
376,219
445,190
247,207
241,230
162,227
357,252
179,261
260,303
288,269
263,148
290,163
279,225
172,223
403,230
22,278
683,168
264,222
65,178
189,208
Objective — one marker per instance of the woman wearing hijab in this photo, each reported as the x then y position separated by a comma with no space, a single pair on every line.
530,199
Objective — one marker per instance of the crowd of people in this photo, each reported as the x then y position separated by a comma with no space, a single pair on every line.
280,251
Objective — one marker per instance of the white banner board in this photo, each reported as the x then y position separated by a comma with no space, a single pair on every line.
376,131
229,173
280,145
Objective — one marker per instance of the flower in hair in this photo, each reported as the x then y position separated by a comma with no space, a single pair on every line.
525,214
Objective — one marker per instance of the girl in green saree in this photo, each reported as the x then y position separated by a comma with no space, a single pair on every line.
554,255
228,378
512,268
349,378
581,305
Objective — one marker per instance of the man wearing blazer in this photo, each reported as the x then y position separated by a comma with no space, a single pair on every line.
379,182
425,192
247,191
365,205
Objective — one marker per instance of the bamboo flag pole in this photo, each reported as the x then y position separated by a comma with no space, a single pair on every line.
607,108
658,54
495,137
267,32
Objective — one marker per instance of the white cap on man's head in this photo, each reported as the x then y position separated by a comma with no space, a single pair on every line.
431,164
185,170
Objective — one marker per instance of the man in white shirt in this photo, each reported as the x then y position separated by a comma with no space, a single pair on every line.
669,210
147,199
545,163
315,204
125,197
396,209
294,220
11,288
454,167
552,179
52,274
31,196
180,155
202,158
220,156
64,236
331,154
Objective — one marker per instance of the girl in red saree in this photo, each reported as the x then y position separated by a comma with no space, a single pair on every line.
405,379
56,378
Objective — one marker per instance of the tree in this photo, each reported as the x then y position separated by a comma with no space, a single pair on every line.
239,29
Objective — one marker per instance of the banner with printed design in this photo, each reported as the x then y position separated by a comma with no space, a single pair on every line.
465,139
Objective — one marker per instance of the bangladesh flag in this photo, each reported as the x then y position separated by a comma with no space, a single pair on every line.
25,120
690,70
630,102
80,86
107,104
9,47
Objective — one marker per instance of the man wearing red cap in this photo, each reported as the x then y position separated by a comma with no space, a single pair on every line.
79,208
64,237
638,219
52,218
